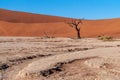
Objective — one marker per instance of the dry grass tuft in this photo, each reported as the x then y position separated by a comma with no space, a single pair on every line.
105,38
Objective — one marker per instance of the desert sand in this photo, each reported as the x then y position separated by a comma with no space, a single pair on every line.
43,47
41,58
13,23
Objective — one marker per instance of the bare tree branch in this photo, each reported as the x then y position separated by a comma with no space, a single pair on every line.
75,24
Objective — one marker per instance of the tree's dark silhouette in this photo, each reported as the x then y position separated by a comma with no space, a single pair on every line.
75,24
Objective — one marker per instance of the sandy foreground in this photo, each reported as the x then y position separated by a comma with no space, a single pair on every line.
37,58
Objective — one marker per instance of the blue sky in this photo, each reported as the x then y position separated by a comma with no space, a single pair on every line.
88,9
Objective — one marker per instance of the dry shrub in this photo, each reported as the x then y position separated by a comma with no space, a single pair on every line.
105,38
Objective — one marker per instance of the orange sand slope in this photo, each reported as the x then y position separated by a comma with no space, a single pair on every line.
14,23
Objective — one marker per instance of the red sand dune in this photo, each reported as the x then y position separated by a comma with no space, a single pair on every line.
14,23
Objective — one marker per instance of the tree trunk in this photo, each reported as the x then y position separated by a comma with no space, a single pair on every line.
78,34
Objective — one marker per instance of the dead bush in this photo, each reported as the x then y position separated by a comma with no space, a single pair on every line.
105,38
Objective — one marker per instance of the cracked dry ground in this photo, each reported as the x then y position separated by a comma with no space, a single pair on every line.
37,58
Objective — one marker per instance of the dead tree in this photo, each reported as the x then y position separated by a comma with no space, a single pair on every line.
75,24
